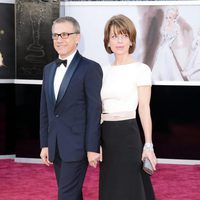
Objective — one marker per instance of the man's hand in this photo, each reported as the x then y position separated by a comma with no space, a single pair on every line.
93,158
45,156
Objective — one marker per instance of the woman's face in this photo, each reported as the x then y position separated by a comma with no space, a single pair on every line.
119,42
170,17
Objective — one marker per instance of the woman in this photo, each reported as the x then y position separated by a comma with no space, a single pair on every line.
126,85
168,66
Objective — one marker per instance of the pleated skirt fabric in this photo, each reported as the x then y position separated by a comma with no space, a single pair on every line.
121,174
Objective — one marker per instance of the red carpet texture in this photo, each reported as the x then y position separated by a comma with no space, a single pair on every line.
19,181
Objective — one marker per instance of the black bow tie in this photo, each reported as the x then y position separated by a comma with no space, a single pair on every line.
59,62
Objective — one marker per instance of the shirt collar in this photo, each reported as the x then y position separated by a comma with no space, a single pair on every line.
69,58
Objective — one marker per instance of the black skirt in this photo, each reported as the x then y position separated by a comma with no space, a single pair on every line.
121,174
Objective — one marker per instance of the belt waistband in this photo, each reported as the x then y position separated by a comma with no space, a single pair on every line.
118,116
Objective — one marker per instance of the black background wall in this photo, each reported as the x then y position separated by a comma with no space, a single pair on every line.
27,120
175,114
7,119
176,121
19,120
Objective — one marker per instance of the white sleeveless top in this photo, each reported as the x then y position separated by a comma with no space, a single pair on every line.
119,89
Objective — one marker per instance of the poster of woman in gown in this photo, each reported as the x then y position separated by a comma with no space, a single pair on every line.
171,56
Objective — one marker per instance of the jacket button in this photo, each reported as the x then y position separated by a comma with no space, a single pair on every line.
57,116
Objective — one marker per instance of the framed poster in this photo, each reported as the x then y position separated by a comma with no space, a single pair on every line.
168,35
33,31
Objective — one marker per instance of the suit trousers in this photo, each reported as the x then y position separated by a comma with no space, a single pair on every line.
70,177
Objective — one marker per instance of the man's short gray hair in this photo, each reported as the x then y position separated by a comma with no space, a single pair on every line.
68,19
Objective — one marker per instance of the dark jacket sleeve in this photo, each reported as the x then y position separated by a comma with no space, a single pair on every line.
93,84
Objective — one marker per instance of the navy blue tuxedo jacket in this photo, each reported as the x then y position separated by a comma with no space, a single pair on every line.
73,120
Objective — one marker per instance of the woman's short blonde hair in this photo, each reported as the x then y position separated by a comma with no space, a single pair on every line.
122,25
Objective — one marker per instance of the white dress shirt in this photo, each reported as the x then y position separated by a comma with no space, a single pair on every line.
60,73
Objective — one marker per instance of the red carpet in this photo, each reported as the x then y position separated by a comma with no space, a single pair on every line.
37,182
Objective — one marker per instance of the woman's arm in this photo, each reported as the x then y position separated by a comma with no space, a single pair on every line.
144,95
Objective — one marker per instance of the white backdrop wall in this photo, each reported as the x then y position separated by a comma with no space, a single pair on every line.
93,16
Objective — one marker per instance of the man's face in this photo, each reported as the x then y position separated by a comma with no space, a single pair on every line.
67,45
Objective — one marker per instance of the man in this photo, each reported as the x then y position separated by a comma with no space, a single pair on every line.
70,111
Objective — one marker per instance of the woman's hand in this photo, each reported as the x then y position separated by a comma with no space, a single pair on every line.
151,156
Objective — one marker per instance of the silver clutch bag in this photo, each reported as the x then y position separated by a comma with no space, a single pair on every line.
147,166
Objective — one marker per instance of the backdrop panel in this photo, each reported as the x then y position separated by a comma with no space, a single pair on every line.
168,36
7,41
33,29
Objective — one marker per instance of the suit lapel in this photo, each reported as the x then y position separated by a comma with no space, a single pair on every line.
68,75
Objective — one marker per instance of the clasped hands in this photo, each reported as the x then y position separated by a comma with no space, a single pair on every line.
93,158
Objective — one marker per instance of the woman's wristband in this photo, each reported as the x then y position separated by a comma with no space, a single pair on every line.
148,147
